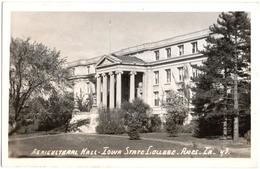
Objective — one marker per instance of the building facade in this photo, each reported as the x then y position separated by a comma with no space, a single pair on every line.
146,71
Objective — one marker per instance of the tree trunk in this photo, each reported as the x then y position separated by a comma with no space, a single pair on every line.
13,129
225,128
236,112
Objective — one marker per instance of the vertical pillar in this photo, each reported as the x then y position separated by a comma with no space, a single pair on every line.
118,88
132,86
76,106
112,91
104,100
98,89
144,87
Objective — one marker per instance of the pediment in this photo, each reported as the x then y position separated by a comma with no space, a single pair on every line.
107,60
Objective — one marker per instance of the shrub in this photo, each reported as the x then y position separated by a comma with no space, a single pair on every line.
30,118
155,123
85,102
171,126
133,128
136,117
177,110
206,127
188,128
244,123
59,112
247,136
110,121
40,114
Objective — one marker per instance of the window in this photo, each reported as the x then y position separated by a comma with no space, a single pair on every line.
156,98
88,69
194,47
157,55
180,74
168,75
167,96
181,50
194,71
168,51
156,77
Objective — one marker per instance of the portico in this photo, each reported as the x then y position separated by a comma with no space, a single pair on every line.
111,93
117,82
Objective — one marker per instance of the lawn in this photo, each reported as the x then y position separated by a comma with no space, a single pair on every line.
119,146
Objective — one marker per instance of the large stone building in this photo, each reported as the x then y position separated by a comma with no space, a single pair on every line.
147,71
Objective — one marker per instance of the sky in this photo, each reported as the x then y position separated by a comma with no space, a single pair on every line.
84,35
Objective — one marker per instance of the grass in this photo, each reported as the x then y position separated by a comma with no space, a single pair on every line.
188,138
119,146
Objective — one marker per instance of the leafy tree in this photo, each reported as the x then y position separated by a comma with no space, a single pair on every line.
35,70
177,109
223,89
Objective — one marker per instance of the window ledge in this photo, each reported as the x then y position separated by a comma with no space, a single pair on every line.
168,83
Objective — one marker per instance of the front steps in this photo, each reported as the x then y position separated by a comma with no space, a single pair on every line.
84,122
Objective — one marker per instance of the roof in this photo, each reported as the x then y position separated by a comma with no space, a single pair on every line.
165,42
83,62
122,54
130,60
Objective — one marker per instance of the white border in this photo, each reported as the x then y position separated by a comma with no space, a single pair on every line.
8,7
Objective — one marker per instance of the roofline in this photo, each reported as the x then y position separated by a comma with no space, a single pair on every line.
144,47
165,42
84,62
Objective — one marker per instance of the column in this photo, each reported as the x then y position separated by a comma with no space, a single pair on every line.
98,89
104,90
76,106
118,88
112,91
132,86
144,87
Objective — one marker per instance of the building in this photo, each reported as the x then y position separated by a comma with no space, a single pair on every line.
147,71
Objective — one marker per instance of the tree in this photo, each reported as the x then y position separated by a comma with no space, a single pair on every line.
177,109
35,70
225,82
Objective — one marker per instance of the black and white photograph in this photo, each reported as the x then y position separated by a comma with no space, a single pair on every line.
129,85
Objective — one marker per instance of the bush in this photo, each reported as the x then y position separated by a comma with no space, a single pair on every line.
133,129
177,110
136,117
155,123
85,102
44,115
247,136
110,121
59,112
30,117
188,128
171,126
206,127
213,126
244,123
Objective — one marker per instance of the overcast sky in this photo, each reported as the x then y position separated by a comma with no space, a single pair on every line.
80,35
